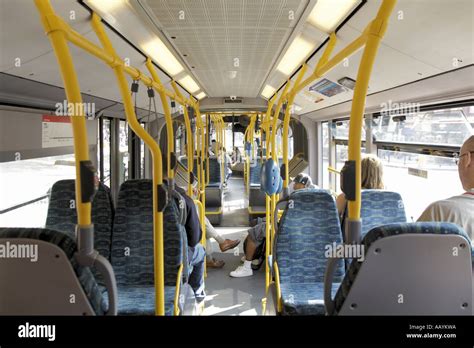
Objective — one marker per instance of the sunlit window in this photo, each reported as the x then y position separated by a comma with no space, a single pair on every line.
30,181
420,179
438,127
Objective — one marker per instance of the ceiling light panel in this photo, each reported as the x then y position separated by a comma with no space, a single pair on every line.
158,51
268,91
328,14
201,95
298,51
188,83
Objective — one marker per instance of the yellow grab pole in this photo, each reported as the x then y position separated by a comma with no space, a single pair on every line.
268,243
276,116
200,169
207,147
168,119
156,159
189,140
286,124
376,31
274,155
56,32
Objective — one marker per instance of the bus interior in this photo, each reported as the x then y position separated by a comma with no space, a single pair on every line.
115,114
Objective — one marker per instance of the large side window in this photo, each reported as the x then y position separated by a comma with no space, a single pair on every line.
341,136
24,187
417,151
325,160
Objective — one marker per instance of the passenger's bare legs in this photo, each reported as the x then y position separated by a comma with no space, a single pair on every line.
250,249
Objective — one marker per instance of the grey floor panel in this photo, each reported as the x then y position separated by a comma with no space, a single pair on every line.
235,204
227,295
233,296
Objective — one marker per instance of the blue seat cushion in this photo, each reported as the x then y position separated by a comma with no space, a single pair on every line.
304,298
140,300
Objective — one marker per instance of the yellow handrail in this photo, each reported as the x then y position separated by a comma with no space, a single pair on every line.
157,168
60,33
268,211
168,119
57,34
189,140
286,124
370,38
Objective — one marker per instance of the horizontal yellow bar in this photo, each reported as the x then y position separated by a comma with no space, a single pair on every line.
331,169
56,23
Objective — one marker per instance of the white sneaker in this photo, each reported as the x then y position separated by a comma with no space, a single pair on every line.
241,271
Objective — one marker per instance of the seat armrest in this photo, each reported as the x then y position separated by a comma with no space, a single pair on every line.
328,279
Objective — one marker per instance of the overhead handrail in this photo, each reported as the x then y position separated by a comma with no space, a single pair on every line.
189,139
171,157
158,207
60,33
85,185
370,40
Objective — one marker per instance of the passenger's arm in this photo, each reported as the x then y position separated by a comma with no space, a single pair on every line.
431,213
193,226
341,203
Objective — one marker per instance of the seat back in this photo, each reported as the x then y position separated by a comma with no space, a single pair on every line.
132,237
309,225
254,173
380,207
41,277
184,162
410,269
215,173
62,214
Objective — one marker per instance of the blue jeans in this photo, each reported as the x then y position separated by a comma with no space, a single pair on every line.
196,272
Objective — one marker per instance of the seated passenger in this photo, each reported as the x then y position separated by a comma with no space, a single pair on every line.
257,234
371,178
236,155
224,244
458,209
196,252
228,165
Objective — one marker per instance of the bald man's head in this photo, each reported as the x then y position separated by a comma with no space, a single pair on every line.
466,164
468,144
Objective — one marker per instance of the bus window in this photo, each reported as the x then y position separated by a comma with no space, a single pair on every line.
422,172
25,185
341,135
341,158
123,152
106,152
325,154
438,127
420,179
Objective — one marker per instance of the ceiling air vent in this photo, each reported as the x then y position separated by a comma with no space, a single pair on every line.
233,100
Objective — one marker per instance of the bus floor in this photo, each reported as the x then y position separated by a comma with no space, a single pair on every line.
227,295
